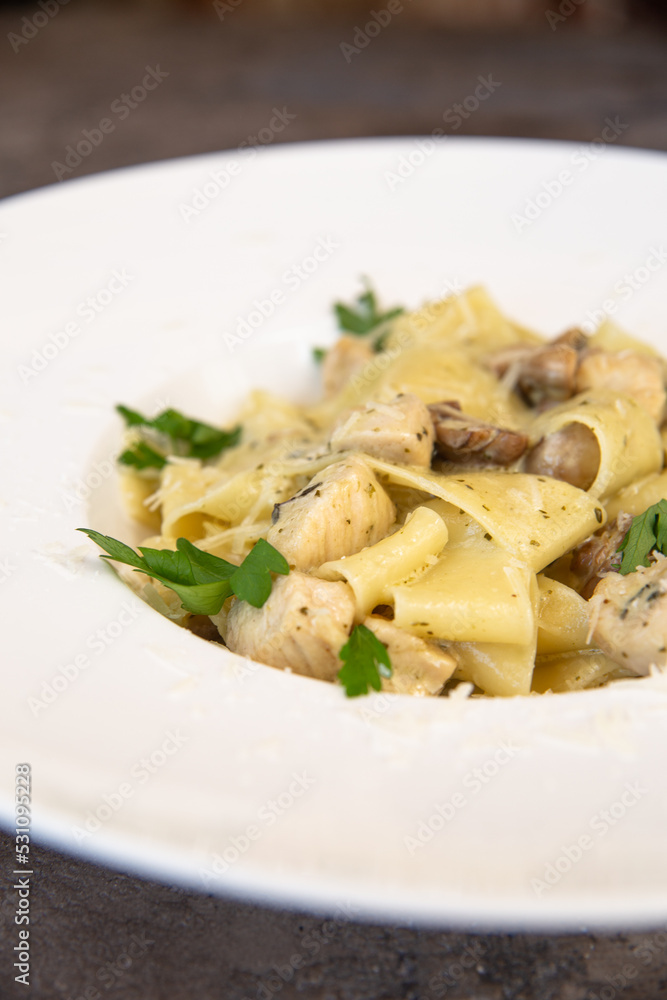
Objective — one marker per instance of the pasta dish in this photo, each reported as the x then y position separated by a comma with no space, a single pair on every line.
467,503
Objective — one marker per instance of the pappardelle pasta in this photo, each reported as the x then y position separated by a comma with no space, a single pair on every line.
454,510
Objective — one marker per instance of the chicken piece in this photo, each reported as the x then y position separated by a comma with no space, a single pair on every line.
630,615
419,667
347,357
342,510
640,376
302,626
400,431
545,374
599,554
571,454
464,439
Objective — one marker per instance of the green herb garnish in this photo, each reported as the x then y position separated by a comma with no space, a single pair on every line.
142,456
319,354
188,438
647,533
202,581
365,659
364,315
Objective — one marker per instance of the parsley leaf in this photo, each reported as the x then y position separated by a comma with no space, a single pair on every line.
131,417
254,584
365,658
187,437
364,315
319,354
661,528
117,550
142,456
648,531
202,581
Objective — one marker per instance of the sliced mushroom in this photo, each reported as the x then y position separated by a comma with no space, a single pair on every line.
542,374
571,454
464,439
599,554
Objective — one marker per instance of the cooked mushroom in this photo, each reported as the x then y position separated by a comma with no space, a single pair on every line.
571,454
599,554
542,374
567,365
464,439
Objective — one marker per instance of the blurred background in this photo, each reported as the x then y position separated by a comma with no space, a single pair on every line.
336,69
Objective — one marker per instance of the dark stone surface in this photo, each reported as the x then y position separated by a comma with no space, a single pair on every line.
96,933
224,80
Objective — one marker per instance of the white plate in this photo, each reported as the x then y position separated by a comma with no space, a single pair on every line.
308,797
